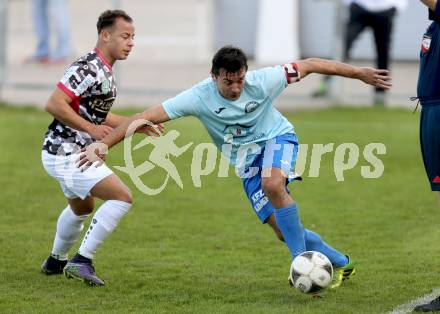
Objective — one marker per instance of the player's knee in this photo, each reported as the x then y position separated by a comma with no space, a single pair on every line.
82,207
272,188
82,210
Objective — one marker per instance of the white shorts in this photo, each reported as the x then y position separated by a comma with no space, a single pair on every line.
74,183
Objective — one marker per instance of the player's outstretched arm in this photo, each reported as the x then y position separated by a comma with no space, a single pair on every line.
59,106
371,76
114,120
153,116
430,3
98,151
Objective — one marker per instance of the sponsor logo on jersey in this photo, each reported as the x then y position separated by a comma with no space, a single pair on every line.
219,110
426,43
251,106
237,130
105,87
102,105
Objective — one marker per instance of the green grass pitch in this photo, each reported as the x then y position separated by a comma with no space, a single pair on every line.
202,250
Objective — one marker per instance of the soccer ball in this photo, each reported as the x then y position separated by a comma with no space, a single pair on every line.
311,272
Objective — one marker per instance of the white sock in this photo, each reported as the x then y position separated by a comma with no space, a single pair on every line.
103,223
69,226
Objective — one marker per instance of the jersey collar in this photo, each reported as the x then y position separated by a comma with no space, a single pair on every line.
103,59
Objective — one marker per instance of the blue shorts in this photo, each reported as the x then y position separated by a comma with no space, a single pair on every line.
280,152
430,143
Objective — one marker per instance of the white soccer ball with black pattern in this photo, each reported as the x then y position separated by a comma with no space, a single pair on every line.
311,272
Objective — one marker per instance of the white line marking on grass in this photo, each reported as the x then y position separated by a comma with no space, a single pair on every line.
408,307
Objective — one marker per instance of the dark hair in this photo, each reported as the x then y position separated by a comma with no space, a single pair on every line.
230,58
108,18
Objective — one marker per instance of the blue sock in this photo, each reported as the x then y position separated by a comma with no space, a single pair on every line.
287,219
315,243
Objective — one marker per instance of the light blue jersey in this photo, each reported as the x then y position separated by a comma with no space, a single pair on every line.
251,119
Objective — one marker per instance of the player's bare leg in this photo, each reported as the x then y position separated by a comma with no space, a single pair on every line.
82,207
112,188
274,186
286,214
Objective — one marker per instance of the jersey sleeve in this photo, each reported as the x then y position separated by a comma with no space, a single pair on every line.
78,78
275,79
184,104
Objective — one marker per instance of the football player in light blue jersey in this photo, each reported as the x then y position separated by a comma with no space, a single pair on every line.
236,107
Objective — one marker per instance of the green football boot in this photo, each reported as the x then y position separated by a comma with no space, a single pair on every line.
341,274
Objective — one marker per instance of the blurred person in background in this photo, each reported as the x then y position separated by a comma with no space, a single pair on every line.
379,16
44,11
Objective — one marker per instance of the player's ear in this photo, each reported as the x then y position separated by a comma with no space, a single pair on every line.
214,77
105,35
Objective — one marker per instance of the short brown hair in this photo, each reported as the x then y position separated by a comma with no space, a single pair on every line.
107,19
